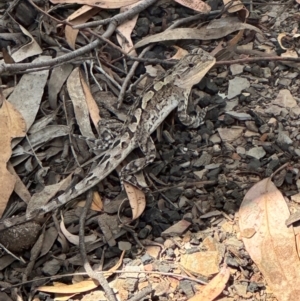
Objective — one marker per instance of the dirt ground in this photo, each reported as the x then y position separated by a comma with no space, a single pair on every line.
219,220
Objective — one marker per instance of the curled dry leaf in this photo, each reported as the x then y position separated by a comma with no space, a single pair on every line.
137,200
237,6
272,246
12,125
28,50
74,239
196,5
215,287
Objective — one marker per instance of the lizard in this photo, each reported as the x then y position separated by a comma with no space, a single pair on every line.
153,106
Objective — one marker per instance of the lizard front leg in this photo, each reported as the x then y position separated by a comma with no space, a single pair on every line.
147,146
190,121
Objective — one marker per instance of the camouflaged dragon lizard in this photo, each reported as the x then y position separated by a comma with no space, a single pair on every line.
153,106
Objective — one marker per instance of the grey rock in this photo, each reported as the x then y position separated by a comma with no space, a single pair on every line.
256,152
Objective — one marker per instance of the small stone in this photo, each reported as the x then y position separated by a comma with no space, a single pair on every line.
229,135
215,139
249,134
236,86
284,82
284,140
211,87
236,69
297,151
203,160
267,72
285,99
177,229
217,149
183,201
264,129
201,173
256,152
189,193
256,71
251,126
241,151
239,115
272,122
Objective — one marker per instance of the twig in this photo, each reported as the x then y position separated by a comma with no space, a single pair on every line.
279,169
99,277
12,5
120,18
61,59
128,77
117,272
64,22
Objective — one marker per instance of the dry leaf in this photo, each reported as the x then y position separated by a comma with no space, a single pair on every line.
12,125
137,200
214,288
28,50
74,239
216,29
97,204
111,4
78,98
196,5
90,101
126,29
32,93
20,189
237,6
179,54
80,16
79,287
272,247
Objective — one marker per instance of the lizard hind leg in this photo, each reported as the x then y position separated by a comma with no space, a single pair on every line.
190,121
147,146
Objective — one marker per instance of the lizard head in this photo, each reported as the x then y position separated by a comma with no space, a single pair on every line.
192,68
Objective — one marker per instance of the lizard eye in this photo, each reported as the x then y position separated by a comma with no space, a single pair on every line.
191,65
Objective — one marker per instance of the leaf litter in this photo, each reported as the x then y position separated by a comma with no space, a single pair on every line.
196,234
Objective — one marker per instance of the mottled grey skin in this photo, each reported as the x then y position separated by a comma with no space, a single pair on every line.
157,101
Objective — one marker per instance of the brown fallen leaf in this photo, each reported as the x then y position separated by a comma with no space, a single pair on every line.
79,287
126,29
137,200
214,288
90,101
237,6
80,16
196,5
12,125
272,246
